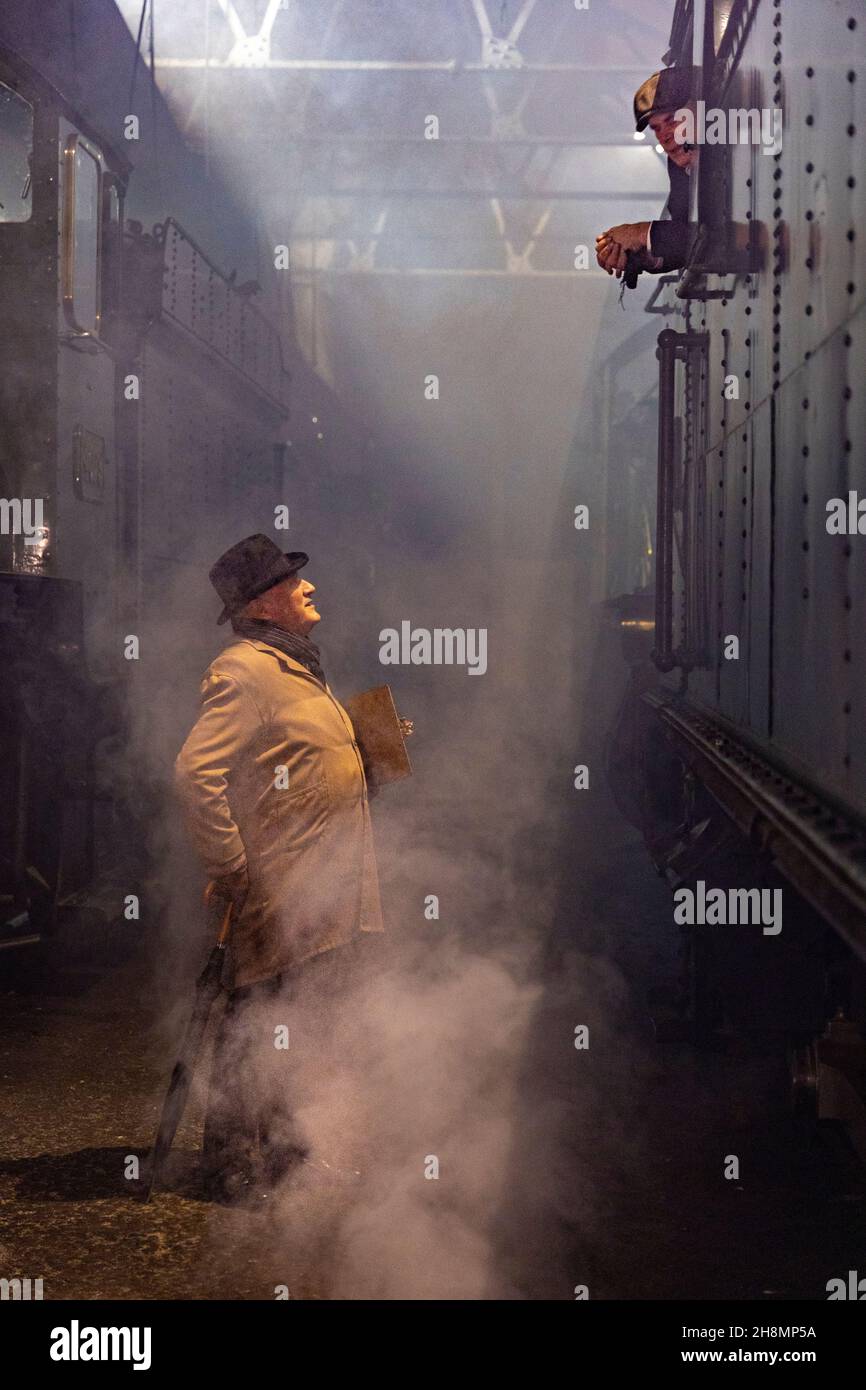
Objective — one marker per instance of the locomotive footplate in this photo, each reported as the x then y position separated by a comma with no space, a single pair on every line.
818,848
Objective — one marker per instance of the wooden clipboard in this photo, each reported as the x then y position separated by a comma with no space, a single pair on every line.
380,738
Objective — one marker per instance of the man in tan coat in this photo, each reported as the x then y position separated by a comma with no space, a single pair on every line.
273,788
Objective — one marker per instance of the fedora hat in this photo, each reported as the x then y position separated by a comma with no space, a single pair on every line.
249,568
667,90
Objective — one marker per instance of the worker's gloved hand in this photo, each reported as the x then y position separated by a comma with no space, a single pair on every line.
233,887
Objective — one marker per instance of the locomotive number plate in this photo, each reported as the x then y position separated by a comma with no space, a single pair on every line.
88,464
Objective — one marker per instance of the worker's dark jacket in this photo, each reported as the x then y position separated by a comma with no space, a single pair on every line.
671,237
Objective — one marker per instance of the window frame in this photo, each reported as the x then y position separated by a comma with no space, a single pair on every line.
74,142
31,107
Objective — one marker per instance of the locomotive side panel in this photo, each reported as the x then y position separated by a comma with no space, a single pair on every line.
820,273
732,558
204,429
207,466
782,325
28,349
759,576
87,493
811,628
853,350
729,577
95,357
738,559
822,47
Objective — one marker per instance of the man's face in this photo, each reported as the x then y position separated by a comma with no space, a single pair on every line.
289,604
664,127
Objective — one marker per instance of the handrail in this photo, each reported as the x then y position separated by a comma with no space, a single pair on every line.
731,46
652,305
662,654
242,336
672,346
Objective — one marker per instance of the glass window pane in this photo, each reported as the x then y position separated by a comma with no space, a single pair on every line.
110,250
16,148
85,303
721,15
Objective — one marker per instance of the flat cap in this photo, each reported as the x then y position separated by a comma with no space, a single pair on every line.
667,90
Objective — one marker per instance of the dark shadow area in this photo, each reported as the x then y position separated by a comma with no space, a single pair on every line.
94,1175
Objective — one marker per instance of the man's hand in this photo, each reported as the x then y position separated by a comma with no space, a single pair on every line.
232,887
611,247
610,256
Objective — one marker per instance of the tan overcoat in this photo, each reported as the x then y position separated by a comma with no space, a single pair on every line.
271,773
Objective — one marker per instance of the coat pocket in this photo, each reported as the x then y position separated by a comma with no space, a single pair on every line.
296,819
288,848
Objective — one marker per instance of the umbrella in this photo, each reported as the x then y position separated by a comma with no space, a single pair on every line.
208,986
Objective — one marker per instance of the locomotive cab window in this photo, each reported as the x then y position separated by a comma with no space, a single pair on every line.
731,244
16,152
110,254
721,14
82,207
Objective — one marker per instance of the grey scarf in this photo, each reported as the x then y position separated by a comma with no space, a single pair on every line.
298,648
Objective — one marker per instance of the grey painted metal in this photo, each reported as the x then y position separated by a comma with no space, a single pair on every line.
820,849
206,449
85,539
202,299
786,256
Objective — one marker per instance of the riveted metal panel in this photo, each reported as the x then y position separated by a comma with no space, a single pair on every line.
853,445
823,182
781,332
743,317
179,297
86,540
760,575
819,630
733,673
808,639
218,295
207,463
785,331
234,320
206,303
